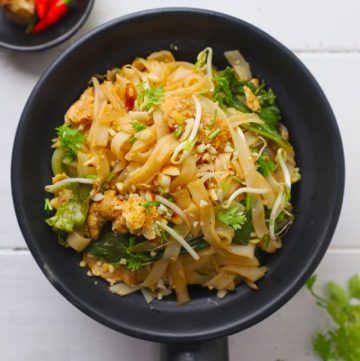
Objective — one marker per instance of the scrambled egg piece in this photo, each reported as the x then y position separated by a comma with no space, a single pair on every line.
127,216
83,109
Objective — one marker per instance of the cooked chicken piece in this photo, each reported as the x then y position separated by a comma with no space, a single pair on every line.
19,11
82,110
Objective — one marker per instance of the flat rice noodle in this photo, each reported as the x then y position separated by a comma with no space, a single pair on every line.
199,195
258,216
158,157
250,273
223,280
224,258
178,281
157,272
187,173
161,127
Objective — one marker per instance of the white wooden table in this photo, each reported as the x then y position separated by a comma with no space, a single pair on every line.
37,324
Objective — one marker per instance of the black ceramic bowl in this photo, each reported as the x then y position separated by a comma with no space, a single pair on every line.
306,113
13,36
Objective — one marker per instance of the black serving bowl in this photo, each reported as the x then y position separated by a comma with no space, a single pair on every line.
14,37
317,198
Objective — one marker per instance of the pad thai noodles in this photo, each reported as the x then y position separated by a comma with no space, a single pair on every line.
169,173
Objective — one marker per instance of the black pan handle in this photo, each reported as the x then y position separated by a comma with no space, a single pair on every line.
215,350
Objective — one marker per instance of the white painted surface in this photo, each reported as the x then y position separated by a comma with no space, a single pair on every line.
38,324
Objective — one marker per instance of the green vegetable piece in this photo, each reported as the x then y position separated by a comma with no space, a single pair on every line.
177,132
138,126
152,97
242,236
214,133
70,140
71,214
268,132
132,140
112,248
233,217
47,206
265,164
311,282
337,293
147,205
322,345
342,341
354,286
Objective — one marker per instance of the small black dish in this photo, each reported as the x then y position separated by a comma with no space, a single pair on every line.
13,36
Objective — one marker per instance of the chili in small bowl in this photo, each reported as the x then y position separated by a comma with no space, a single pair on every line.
54,21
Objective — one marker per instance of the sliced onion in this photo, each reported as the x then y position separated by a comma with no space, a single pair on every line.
240,65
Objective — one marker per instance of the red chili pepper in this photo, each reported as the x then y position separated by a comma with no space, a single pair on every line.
42,7
56,12
130,96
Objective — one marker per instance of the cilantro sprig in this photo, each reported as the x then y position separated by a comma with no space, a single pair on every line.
232,217
342,342
70,140
151,97
265,165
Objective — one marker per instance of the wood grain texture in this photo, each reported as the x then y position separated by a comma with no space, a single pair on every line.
38,324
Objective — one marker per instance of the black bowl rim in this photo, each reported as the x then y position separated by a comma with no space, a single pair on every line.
216,330
60,39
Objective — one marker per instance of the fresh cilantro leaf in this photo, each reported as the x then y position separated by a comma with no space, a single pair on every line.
138,126
337,293
70,140
233,217
311,282
322,345
265,165
242,236
342,341
354,286
152,97
271,115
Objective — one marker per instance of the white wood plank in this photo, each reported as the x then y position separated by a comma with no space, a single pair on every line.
37,324
307,25
338,74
